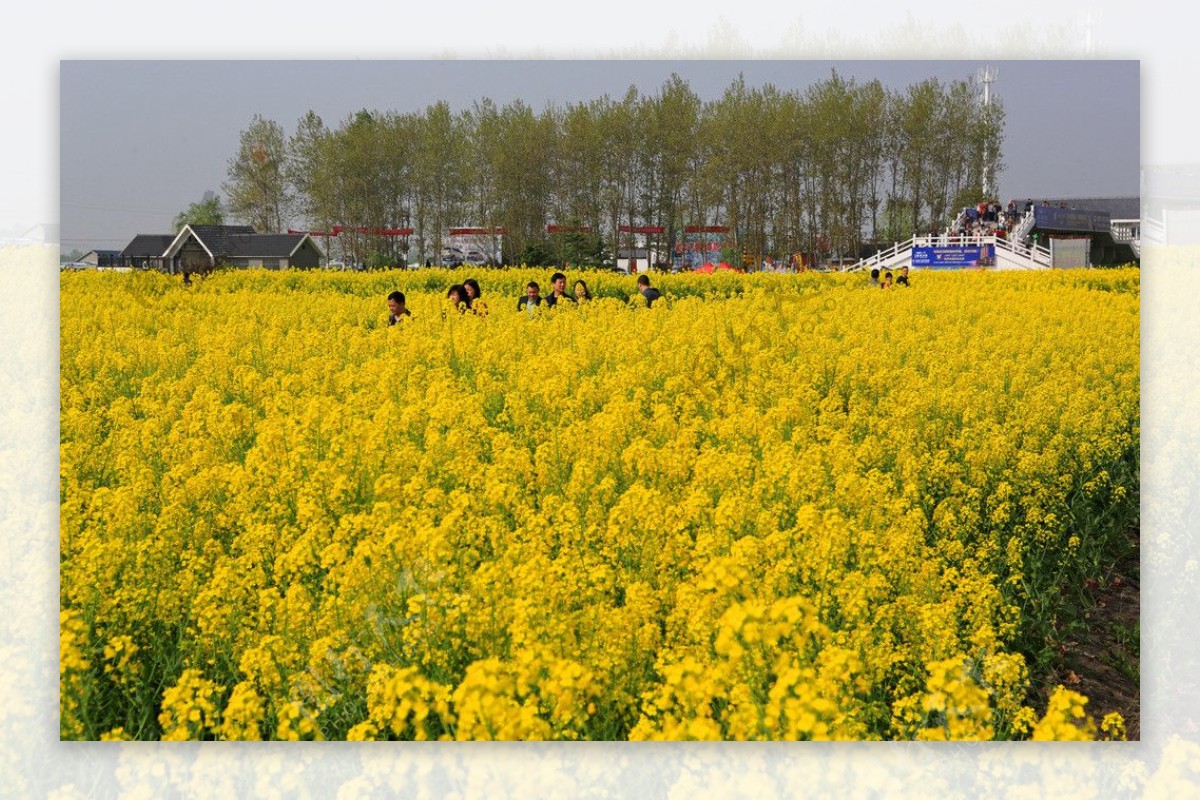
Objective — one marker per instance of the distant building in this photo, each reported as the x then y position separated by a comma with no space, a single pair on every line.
146,250
102,258
1172,204
40,234
1112,225
633,260
199,248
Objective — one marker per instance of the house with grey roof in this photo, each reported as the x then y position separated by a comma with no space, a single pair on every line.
145,251
102,258
200,248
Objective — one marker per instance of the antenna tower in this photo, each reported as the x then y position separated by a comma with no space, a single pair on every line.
987,76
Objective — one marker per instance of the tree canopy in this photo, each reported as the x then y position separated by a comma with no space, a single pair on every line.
206,211
820,171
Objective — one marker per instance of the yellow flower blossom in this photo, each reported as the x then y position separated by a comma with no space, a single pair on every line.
805,512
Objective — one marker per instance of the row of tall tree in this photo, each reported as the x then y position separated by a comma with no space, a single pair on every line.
819,171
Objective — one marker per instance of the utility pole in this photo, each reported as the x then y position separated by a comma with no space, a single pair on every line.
987,76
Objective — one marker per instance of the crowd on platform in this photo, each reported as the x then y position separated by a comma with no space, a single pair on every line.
988,219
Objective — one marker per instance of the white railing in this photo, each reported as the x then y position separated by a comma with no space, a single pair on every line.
1035,256
1155,230
1021,232
1127,233
1122,232
1026,256
960,222
882,257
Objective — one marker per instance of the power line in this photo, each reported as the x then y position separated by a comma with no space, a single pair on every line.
114,208
91,239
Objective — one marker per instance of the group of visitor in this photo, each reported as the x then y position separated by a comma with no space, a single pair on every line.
581,294
886,281
990,219
468,297
558,293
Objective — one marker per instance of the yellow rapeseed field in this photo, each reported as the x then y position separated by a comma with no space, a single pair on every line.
769,507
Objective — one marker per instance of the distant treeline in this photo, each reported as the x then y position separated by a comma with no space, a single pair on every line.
819,171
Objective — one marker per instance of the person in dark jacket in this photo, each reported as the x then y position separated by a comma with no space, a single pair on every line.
648,292
531,299
558,290
396,308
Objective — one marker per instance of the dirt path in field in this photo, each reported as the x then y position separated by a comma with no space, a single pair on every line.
1101,658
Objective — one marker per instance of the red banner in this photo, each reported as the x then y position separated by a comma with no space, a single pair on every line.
361,229
357,229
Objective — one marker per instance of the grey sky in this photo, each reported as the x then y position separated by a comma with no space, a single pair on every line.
140,140
40,35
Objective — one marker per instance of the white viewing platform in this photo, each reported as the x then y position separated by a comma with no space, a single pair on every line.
1009,255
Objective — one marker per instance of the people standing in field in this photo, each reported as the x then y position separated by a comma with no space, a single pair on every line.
874,276
558,290
476,302
581,291
457,295
397,310
903,279
532,298
887,280
649,293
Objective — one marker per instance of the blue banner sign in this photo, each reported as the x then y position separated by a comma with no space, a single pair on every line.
1052,218
948,258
